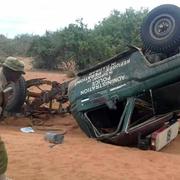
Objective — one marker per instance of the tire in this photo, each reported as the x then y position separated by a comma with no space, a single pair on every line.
18,96
160,31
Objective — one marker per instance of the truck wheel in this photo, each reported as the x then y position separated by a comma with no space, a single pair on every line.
17,97
160,31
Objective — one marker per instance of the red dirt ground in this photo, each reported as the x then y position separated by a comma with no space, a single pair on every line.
80,158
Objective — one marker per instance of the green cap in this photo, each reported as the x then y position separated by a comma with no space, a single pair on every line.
14,64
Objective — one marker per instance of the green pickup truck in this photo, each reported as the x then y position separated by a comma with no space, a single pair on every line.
136,92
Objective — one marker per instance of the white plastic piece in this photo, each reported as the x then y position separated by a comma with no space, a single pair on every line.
164,136
27,130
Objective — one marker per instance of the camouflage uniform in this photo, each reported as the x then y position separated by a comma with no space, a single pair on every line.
3,153
3,159
15,65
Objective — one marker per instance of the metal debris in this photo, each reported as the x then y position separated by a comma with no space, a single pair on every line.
52,101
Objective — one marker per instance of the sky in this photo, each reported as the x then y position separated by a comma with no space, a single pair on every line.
37,16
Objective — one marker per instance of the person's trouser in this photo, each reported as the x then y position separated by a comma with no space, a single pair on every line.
3,158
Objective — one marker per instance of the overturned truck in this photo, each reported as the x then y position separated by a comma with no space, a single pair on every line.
135,93
130,99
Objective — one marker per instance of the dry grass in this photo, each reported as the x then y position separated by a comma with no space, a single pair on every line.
27,62
69,67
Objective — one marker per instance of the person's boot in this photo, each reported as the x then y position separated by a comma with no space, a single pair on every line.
3,177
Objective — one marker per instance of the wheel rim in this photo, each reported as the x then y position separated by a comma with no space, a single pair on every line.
162,26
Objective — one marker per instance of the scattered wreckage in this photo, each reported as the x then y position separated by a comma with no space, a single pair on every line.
24,97
133,98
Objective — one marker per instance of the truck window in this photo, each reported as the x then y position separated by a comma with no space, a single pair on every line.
142,111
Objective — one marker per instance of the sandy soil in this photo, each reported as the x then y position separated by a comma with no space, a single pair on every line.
78,157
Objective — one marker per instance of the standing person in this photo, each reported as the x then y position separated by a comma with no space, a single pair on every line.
11,71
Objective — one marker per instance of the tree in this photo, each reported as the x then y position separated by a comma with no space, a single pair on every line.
44,51
88,46
22,43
